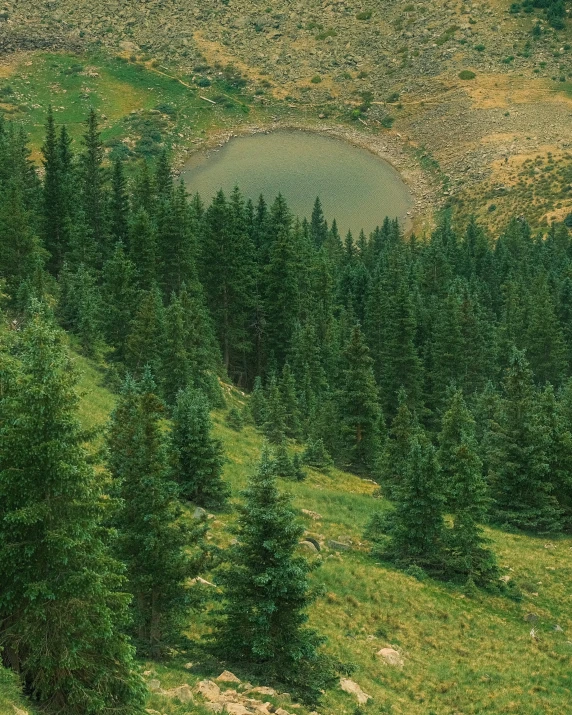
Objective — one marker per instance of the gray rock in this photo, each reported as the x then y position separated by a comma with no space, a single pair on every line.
199,513
309,546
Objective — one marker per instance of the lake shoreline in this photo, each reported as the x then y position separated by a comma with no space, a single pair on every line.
389,147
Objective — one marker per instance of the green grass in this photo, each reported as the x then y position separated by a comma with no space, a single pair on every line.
470,655
132,98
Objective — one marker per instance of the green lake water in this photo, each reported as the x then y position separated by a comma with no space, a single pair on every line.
355,187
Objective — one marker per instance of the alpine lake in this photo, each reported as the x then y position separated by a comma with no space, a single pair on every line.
355,186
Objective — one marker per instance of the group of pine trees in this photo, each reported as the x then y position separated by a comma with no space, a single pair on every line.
442,368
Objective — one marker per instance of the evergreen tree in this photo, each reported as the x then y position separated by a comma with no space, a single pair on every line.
55,210
119,300
119,204
316,455
93,180
416,527
275,415
518,459
196,456
290,404
318,225
62,605
146,342
404,428
466,493
81,308
153,542
267,593
143,249
359,409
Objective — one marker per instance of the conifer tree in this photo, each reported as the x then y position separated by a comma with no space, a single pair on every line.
267,593
119,300
316,455
275,416
63,608
119,205
318,225
146,341
143,249
196,456
80,307
404,428
177,369
290,404
93,179
416,527
54,209
359,409
518,460
153,542
466,494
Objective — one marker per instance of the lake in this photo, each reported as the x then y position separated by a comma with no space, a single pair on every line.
355,187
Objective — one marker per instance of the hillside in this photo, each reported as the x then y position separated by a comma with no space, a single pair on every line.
462,653
493,138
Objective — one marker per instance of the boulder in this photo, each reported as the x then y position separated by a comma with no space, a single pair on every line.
199,513
281,711
214,707
391,657
182,692
209,690
309,546
236,709
227,677
154,685
348,686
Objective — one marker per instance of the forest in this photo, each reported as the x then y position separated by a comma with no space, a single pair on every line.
439,366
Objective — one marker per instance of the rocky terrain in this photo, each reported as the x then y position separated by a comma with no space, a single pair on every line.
391,67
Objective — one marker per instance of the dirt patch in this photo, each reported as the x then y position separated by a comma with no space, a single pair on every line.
497,91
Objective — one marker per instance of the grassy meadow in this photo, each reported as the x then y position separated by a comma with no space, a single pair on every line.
464,653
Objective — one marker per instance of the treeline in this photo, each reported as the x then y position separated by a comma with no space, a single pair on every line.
441,367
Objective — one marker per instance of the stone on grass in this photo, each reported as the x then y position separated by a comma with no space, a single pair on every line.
209,690
236,709
154,685
391,657
227,677
348,686
263,690
309,546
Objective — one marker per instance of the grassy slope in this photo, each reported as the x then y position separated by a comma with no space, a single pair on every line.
463,655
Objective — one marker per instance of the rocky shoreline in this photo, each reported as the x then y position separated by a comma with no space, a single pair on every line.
389,147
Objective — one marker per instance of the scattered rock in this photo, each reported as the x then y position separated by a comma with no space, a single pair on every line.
147,673
227,677
281,711
558,629
348,686
236,709
199,513
154,685
214,707
209,690
391,657
188,666
182,692
309,546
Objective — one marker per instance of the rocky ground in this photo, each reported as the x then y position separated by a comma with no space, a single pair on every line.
326,59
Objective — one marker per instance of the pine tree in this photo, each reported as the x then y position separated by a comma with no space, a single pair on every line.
119,300
416,527
143,249
176,365
62,606
318,225
518,459
196,456
54,230
466,494
316,455
359,409
282,463
93,180
267,593
290,404
275,415
153,542
146,341
404,428
119,205
80,307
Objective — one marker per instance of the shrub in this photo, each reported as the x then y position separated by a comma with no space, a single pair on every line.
467,74
387,122
366,15
316,79
480,48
